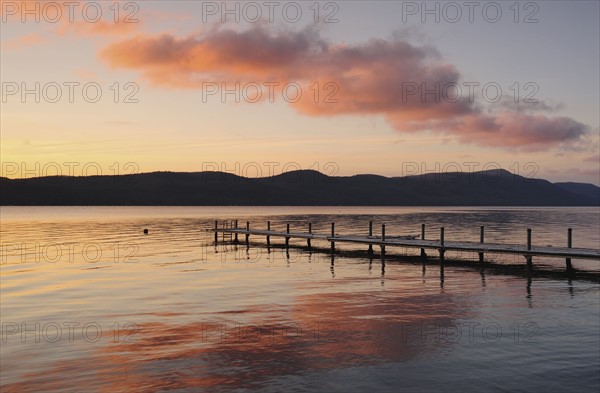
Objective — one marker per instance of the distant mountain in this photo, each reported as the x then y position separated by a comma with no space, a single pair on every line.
488,188
584,189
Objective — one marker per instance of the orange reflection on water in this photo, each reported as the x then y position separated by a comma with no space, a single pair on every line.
325,331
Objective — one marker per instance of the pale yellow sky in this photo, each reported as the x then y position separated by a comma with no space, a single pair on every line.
169,124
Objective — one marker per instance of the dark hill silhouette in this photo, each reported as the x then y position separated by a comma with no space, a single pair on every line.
490,188
584,189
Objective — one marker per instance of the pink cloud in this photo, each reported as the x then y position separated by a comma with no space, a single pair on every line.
372,78
99,28
252,54
23,41
67,17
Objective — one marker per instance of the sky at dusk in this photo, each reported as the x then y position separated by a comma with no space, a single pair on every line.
345,87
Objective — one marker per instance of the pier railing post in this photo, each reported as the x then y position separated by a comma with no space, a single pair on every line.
268,236
442,251
481,233
423,254
383,239
235,240
287,238
528,257
310,233
247,232
370,235
569,245
216,232
332,236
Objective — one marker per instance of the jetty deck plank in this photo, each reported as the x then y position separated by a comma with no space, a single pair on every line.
297,235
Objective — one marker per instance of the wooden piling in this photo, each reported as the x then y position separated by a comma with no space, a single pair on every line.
423,254
247,232
528,257
216,233
481,233
442,250
287,238
569,245
383,239
332,236
268,236
235,239
310,233
370,234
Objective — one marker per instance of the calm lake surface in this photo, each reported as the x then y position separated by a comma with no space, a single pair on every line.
89,303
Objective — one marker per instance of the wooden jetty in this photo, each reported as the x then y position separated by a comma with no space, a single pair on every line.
231,230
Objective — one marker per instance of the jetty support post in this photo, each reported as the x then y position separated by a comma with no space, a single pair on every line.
528,257
569,245
332,236
442,250
216,232
235,239
423,254
247,232
268,236
481,234
310,233
287,238
382,239
370,234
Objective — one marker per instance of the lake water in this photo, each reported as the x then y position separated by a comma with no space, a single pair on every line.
90,303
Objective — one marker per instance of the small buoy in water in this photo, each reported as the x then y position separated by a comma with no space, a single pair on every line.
145,231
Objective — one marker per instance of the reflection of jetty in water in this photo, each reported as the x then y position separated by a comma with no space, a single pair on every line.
291,253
